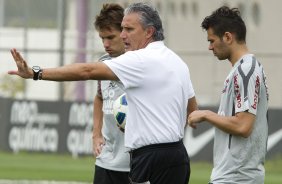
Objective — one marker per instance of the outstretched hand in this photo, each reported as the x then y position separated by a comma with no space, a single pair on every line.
23,70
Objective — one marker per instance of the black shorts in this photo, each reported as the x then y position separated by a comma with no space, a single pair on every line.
105,176
166,163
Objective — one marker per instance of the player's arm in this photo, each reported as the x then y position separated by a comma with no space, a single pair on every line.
98,140
79,71
192,106
241,124
72,72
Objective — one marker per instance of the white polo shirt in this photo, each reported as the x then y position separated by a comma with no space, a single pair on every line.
158,86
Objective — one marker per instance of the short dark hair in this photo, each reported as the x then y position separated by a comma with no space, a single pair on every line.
225,19
110,16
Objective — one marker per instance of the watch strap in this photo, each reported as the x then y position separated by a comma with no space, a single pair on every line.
40,74
37,73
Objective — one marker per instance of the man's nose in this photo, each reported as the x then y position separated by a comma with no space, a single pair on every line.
106,43
122,34
210,47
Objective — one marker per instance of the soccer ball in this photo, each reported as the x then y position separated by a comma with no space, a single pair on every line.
120,110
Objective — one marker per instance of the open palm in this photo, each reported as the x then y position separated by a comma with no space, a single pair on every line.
23,70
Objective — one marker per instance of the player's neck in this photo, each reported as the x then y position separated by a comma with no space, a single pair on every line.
237,53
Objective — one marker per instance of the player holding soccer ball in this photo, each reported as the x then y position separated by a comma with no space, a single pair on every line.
112,159
159,93
241,122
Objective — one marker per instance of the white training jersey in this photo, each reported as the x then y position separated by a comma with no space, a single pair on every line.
114,155
240,160
158,86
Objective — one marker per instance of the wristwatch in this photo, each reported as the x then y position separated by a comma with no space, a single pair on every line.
37,73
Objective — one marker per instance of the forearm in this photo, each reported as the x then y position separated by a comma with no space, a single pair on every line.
227,124
73,72
97,137
97,117
192,105
240,124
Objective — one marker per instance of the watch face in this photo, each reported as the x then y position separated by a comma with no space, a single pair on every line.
36,68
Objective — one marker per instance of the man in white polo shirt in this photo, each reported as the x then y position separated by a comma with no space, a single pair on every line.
159,92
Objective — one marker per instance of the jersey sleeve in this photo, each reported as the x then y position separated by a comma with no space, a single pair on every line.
128,68
191,92
254,92
247,83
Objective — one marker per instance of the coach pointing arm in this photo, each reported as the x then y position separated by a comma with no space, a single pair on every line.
155,122
72,72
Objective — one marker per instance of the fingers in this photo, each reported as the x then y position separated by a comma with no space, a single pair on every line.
98,150
121,129
24,70
12,72
13,52
18,58
98,144
191,124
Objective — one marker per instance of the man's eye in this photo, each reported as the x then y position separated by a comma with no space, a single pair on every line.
127,29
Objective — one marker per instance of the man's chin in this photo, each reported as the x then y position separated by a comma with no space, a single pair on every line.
219,57
128,49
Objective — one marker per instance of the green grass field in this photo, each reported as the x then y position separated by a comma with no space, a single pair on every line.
35,166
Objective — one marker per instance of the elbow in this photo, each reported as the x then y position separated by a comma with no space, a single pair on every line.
86,74
245,132
245,124
245,135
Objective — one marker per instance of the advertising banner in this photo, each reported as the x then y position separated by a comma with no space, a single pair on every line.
66,127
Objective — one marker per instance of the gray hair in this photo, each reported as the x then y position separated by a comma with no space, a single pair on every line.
149,16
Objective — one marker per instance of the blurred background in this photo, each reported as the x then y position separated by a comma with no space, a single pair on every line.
53,117
56,32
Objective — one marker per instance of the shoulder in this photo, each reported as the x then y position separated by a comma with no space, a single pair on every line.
129,56
105,57
248,65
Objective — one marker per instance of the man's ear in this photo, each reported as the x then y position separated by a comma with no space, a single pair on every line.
150,31
228,37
